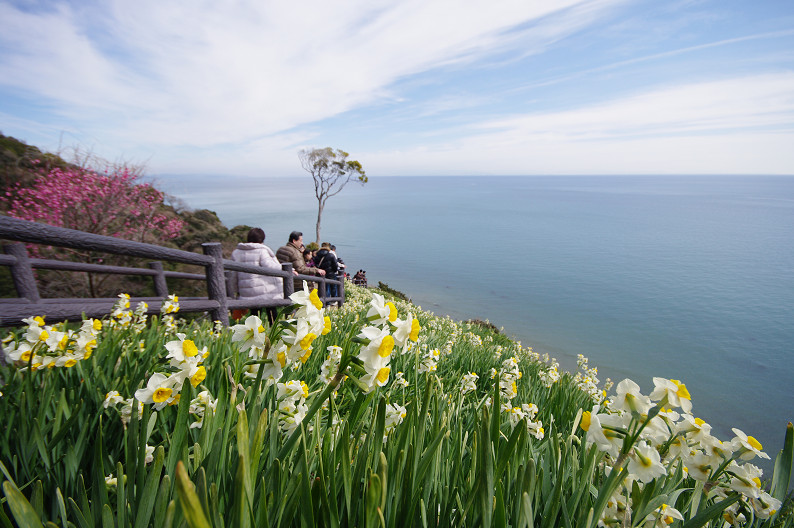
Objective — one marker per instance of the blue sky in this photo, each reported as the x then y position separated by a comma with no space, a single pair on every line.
425,87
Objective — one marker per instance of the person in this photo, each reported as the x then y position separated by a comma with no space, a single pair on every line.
292,252
342,267
252,285
308,256
360,278
327,261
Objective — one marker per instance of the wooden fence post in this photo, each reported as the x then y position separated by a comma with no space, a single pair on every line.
289,283
216,282
22,273
231,284
160,285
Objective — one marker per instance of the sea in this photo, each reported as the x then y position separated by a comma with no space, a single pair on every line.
682,277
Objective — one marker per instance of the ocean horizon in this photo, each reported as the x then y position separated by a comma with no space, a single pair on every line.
682,277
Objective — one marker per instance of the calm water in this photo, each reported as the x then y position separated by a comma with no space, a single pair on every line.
689,278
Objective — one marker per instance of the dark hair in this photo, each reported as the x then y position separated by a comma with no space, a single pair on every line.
256,235
295,235
309,251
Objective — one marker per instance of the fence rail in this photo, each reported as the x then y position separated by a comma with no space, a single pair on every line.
219,275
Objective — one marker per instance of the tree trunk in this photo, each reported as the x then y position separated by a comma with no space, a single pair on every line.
319,217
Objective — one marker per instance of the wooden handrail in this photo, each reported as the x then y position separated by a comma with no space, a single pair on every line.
218,302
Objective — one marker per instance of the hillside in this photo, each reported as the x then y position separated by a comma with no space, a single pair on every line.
22,165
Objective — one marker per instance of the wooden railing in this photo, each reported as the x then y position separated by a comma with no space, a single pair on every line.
219,275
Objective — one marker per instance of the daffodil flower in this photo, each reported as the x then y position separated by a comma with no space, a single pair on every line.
112,399
19,352
664,516
395,414
159,390
67,360
748,446
181,349
170,305
645,463
379,345
381,312
673,392
699,465
765,505
629,398
249,334
746,479
469,383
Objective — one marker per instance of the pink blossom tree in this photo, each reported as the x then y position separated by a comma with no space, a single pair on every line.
112,203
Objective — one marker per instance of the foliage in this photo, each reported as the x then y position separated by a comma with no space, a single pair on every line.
21,163
25,168
112,204
298,424
331,171
382,286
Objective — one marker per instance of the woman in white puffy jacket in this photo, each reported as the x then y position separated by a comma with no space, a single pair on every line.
254,252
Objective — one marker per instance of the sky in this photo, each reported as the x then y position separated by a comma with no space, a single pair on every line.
407,87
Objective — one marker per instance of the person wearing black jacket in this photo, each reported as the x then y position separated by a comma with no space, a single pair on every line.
327,261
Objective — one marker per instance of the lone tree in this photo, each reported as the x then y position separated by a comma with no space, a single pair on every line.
331,170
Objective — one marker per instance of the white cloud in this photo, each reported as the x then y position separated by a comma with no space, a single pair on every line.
203,86
717,106
743,125
209,73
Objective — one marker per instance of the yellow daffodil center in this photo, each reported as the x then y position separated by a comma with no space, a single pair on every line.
281,357
585,425
198,377
305,389
44,335
306,342
89,347
757,482
305,357
755,443
681,392
415,327
315,299
70,363
326,325
175,401
161,394
392,312
261,329
383,374
189,348
25,356
39,320
63,342
386,346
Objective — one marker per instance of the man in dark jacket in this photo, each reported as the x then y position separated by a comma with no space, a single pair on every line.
327,261
293,252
